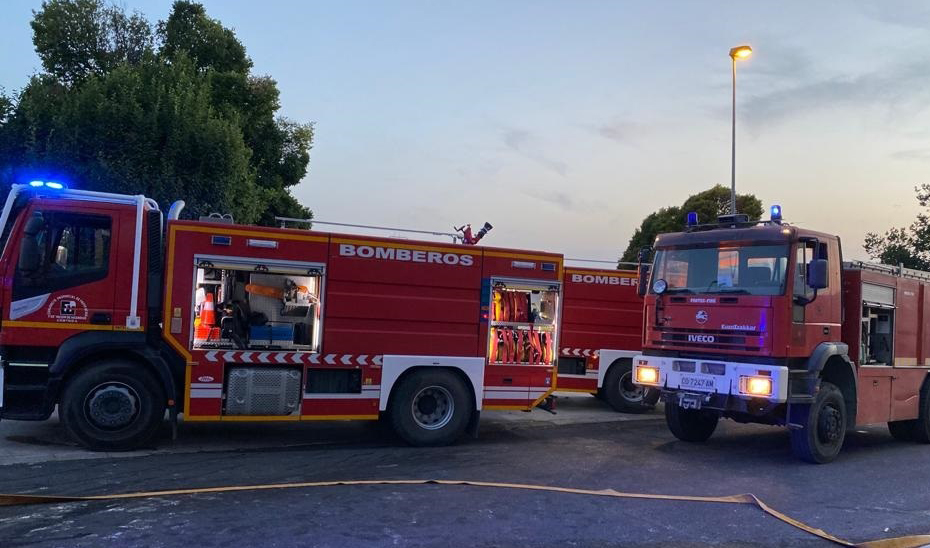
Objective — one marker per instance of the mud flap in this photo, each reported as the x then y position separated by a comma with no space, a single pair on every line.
797,415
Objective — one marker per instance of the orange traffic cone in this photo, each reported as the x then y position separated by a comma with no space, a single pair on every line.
208,312
204,330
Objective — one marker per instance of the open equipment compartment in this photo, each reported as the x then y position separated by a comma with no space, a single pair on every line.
248,304
524,316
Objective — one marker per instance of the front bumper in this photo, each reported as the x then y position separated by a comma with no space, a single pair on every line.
713,377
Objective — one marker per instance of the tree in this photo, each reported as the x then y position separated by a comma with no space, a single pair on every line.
708,205
909,246
173,113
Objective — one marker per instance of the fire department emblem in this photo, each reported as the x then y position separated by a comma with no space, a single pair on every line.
701,316
67,308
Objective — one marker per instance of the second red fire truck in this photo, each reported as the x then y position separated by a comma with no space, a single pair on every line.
601,333
763,322
115,314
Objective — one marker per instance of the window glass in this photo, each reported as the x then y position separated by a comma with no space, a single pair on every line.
752,270
60,250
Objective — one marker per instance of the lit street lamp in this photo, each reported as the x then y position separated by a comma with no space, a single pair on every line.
739,52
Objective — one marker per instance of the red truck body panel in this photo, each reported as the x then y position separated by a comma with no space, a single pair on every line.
381,296
601,311
888,392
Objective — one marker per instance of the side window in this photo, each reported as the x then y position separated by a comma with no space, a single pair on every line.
61,250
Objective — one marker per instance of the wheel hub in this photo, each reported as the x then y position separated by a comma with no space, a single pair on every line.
829,425
630,391
433,407
111,406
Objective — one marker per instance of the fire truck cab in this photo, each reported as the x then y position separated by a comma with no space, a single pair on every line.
116,315
763,322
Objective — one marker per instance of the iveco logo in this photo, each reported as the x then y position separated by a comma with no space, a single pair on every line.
701,338
701,316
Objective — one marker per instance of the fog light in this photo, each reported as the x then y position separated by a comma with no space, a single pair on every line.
756,386
647,375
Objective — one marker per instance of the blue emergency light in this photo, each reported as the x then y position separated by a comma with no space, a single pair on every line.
776,213
46,184
692,218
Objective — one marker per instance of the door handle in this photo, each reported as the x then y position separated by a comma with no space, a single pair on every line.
101,318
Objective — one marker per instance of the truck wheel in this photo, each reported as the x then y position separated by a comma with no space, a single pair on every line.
921,431
113,406
430,407
821,438
694,425
902,430
620,392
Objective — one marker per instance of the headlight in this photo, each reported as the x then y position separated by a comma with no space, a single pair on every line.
756,386
647,375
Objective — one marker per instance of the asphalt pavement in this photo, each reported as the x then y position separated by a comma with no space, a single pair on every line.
878,487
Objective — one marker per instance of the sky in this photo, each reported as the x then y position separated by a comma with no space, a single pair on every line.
563,124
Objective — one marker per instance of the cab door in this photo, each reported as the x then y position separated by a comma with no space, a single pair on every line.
62,272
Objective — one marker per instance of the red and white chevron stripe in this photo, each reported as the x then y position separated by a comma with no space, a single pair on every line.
293,358
579,352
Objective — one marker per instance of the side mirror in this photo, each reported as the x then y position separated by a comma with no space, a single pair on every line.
30,256
642,286
818,274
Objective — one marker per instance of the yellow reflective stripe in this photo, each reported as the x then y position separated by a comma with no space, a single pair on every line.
240,232
62,325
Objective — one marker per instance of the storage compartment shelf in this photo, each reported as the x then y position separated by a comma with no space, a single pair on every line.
525,325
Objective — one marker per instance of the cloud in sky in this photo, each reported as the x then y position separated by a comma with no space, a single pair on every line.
903,89
619,130
915,16
525,143
918,154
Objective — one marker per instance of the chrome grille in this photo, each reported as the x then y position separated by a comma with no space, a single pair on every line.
752,341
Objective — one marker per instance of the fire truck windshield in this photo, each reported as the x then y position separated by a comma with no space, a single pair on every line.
748,270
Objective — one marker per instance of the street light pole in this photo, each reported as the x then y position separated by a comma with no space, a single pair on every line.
740,52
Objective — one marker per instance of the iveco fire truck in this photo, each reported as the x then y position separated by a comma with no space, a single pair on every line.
763,322
601,333
116,315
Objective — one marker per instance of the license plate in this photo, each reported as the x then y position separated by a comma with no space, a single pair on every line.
697,382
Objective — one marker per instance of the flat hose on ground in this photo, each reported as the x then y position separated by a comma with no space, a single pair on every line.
898,542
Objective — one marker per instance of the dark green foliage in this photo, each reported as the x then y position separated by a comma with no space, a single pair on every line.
908,246
708,205
172,115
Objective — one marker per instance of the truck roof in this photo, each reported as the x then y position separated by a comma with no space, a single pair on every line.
763,233
367,238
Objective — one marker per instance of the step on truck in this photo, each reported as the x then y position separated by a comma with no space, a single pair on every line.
117,315
764,323
601,333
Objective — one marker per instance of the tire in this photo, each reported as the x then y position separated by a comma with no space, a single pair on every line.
902,430
114,405
824,431
430,408
921,431
692,425
620,392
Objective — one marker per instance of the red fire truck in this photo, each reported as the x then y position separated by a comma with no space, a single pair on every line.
116,315
602,325
763,322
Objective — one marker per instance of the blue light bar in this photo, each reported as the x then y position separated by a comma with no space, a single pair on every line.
46,184
692,218
776,213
